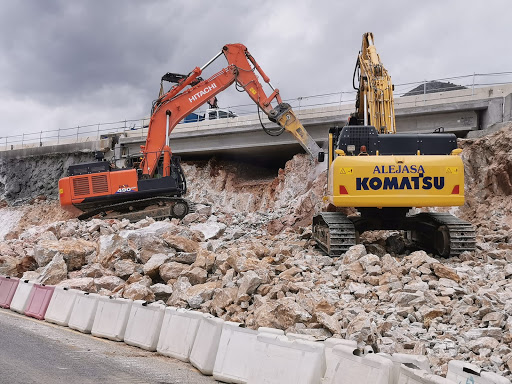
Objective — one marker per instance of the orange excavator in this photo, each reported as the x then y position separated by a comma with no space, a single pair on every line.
154,187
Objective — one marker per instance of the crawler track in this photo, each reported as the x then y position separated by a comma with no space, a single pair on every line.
442,233
334,232
155,207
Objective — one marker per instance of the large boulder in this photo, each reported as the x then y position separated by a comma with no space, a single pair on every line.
329,322
195,275
125,268
75,252
211,229
85,284
27,263
8,266
148,240
172,270
222,298
353,254
153,264
161,291
178,291
362,328
138,291
181,243
198,294
109,283
54,272
248,283
95,270
113,248
282,314
443,271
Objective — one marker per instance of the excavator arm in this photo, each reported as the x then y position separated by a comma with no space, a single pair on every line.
174,105
374,103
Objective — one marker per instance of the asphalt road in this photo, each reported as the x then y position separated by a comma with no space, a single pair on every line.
33,351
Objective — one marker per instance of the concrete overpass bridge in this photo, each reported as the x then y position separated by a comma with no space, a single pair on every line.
460,112
463,112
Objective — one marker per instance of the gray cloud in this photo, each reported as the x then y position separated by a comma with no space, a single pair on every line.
67,63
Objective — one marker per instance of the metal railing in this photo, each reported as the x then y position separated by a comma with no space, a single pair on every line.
92,132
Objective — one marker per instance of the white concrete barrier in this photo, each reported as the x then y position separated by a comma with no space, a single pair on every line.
368,349
235,353
20,299
330,359
206,344
61,305
299,336
281,361
351,367
144,325
274,331
111,317
411,374
398,359
460,371
179,329
84,311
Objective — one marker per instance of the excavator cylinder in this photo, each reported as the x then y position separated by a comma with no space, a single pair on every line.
167,161
211,61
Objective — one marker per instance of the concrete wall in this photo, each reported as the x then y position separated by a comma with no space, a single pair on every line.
507,108
450,121
65,148
24,178
494,113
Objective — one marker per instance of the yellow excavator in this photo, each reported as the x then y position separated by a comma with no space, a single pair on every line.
383,174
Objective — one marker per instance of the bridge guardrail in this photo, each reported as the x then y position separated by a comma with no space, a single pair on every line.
323,105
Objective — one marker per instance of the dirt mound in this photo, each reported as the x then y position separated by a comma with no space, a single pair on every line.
488,173
289,200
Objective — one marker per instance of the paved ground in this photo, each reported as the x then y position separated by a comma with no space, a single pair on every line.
33,351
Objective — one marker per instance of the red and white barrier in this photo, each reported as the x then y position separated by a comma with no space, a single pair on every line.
39,300
8,287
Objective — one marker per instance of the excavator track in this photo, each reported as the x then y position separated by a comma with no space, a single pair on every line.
156,207
442,233
334,232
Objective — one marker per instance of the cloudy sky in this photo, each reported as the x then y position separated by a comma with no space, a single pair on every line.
65,63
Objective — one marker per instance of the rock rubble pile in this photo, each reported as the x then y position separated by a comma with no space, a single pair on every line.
246,255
